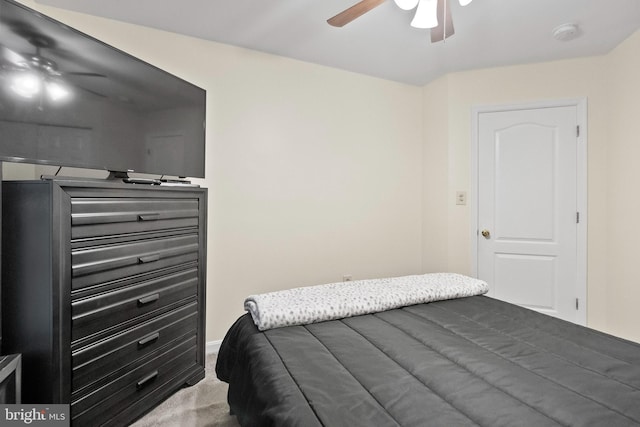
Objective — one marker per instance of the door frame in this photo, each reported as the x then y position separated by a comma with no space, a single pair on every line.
581,188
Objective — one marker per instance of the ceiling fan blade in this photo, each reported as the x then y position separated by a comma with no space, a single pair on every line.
10,56
98,94
444,30
77,73
354,12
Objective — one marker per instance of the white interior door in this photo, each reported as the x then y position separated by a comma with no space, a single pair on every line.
527,244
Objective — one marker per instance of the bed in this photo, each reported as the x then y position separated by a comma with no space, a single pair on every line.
468,360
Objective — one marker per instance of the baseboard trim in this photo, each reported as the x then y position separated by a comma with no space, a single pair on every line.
213,346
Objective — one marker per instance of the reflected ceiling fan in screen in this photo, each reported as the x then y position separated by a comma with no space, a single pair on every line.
32,75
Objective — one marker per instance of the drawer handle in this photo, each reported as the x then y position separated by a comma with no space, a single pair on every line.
148,299
148,258
146,380
149,339
149,217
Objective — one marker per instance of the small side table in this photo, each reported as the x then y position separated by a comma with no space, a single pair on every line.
10,379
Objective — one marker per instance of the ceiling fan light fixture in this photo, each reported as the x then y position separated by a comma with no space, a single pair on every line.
56,91
426,15
26,84
465,2
407,4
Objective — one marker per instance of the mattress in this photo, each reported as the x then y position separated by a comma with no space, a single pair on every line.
460,362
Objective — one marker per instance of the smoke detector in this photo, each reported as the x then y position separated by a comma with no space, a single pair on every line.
566,32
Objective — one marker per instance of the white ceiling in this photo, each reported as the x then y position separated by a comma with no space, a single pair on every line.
381,43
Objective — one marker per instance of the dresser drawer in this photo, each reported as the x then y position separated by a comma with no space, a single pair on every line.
98,360
97,217
93,265
101,311
97,407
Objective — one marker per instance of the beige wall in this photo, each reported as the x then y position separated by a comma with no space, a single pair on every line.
612,89
623,181
313,172
435,176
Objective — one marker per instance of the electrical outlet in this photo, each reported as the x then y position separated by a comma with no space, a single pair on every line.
347,278
461,197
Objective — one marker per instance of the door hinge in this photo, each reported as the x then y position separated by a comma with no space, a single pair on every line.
577,304
578,130
577,217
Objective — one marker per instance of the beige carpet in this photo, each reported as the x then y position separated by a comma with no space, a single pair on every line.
204,404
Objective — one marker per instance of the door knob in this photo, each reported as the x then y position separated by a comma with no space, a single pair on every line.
486,234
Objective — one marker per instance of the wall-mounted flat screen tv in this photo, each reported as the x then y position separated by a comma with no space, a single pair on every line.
67,99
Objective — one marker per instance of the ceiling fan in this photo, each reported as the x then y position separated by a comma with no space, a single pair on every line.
430,14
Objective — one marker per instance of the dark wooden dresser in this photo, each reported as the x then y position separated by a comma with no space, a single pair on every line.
104,293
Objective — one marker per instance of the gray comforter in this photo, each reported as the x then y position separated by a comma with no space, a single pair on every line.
468,361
